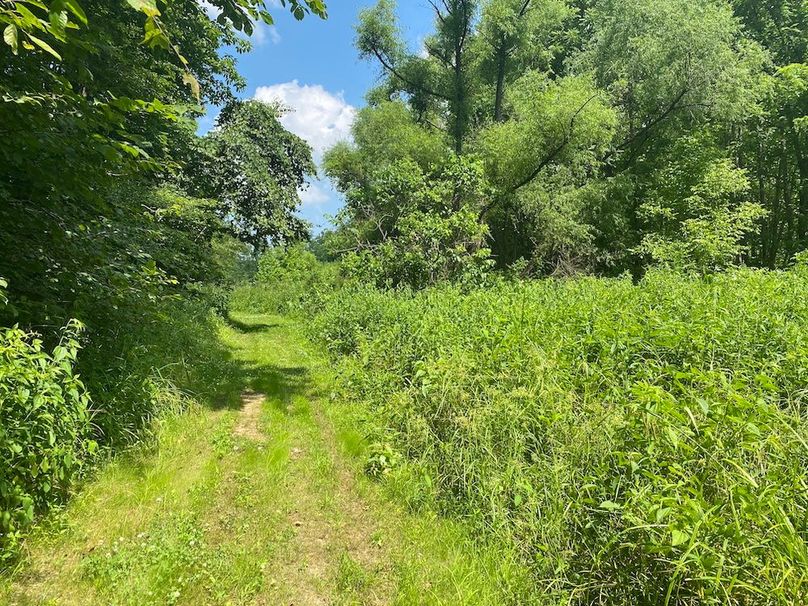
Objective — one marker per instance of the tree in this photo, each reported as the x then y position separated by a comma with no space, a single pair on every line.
516,36
577,109
254,167
440,79
428,248
670,65
674,69
382,170
702,226
412,208
773,142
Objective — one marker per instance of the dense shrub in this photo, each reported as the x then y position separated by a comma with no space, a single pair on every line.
429,249
288,279
290,264
45,433
153,356
640,443
154,361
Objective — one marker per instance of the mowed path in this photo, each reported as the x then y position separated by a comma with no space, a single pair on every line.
255,504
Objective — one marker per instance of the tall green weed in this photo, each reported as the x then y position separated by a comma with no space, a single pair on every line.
45,432
640,443
289,280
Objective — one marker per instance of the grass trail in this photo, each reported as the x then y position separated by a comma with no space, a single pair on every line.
260,504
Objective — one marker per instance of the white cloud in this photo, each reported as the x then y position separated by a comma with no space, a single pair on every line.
318,116
314,194
210,10
263,33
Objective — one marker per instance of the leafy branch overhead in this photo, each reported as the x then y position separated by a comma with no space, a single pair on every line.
105,224
32,25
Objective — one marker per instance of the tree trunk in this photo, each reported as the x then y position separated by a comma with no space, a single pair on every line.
500,94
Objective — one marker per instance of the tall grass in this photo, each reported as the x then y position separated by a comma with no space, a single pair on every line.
152,362
639,443
288,281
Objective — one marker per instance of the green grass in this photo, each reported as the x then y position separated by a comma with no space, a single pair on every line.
201,516
629,443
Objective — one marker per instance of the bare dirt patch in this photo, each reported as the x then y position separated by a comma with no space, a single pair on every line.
248,424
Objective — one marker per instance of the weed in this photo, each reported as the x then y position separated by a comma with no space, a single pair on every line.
637,443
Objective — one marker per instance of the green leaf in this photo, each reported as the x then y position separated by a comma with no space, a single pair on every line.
190,80
610,506
672,436
58,23
12,38
44,46
148,7
74,7
679,537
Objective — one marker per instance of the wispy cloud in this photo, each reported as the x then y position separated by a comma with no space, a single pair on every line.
321,118
315,194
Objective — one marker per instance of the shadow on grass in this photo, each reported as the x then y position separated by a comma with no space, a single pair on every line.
252,328
280,384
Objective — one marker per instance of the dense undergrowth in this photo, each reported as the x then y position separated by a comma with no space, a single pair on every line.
45,433
288,280
66,406
640,443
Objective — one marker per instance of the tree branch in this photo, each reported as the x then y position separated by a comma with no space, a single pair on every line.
433,52
645,130
545,161
389,67
557,150
440,16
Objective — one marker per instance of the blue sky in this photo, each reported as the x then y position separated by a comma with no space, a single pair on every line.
312,67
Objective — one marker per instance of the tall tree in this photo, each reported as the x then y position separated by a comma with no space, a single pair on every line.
254,167
773,143
94,95
517,36
438,80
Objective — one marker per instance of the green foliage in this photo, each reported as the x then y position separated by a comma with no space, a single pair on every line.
568,118
708,227
45,433
404,224
254,167
438,84
576,108
516,37
671,60
539,209
292,264
288,279
26,23
428,249
98,99
383,134
639,443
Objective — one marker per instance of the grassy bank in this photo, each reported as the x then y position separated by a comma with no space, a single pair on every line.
68,406
637,443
